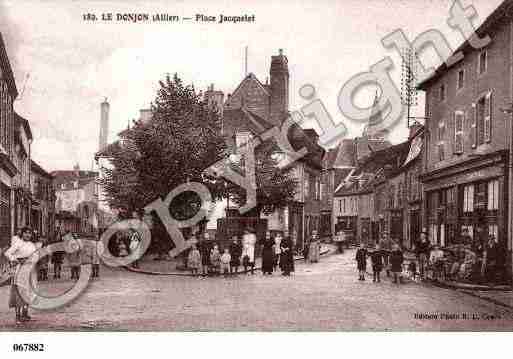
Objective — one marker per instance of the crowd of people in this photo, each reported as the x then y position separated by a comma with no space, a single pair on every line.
476,258
24,244
205,257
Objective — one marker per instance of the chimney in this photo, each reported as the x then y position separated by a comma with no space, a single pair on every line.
104,124
215,99
145,115
279,76
76,169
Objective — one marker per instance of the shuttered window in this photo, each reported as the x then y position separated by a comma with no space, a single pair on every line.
493,195
487,118
459,118
473,126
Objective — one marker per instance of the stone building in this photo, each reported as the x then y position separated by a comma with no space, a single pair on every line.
254,107
21,182
8,93
42,202
468,139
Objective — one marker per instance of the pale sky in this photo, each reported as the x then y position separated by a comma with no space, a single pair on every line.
64,66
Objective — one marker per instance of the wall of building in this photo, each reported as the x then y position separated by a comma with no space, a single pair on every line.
496,78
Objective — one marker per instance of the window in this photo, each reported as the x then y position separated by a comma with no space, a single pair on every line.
468,198
75,184
440,137
340,206
241,138
461,79
493,230
459,118
442,92
493,195
307,185
63,186
482,63
482,121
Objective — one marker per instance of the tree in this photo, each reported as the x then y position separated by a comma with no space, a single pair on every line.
182,139
275,186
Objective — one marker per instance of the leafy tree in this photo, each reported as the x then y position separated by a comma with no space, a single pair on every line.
180,141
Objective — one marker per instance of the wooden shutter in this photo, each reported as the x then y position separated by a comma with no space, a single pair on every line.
458,131
473,126
487,125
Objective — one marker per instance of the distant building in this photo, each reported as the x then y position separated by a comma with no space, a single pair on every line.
76,200
42,210
254,107
21,182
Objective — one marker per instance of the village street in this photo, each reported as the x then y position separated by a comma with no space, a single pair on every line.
322,296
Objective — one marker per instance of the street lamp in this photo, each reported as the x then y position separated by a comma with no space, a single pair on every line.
509,110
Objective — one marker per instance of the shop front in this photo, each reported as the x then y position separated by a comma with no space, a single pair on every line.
466,204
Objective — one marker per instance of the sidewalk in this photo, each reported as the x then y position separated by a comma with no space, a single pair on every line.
169,267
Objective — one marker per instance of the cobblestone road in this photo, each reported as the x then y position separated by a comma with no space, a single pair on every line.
322,296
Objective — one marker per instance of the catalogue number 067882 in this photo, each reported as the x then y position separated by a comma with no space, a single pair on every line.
26,347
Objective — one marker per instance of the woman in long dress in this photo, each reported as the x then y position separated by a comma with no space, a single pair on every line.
314,251
277,249
287,256
248,249
18,253
268,254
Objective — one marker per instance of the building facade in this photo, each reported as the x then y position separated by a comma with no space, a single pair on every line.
254,107
42,202
21,182
8,170
76,201
465,173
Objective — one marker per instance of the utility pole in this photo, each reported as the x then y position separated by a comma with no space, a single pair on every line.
408,82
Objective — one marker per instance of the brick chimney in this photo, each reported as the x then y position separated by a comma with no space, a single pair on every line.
279,103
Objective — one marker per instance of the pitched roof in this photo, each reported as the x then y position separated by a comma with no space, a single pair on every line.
242,119
37,168
503,10
345,154
393,155
24,122
251,77
6,69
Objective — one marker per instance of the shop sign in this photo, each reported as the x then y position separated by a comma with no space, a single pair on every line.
473,176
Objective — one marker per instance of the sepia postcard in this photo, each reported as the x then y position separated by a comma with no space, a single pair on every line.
244,166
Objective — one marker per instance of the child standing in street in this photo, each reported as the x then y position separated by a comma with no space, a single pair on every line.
361,261
377,263
75,261
396,261
194,259
225,262
215,259
95,260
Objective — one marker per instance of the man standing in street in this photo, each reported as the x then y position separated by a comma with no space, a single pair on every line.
422,250
386,247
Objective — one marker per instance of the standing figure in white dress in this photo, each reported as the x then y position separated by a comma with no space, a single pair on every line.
18,253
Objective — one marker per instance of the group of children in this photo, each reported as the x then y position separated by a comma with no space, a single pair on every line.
75,259
219,263
379,259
